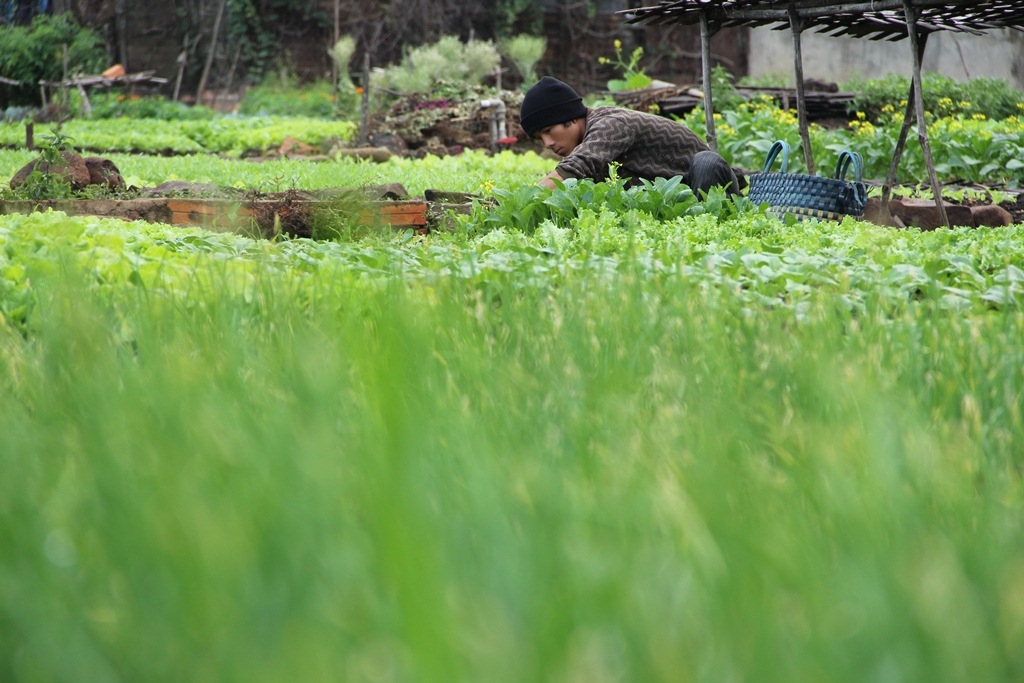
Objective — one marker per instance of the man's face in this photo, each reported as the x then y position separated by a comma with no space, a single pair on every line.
562,138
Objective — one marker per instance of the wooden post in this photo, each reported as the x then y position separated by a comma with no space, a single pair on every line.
182,61
30,137
364,119
86,105
901,142
121,24
63,98
209,56
796,25
705,56
335,72
922,124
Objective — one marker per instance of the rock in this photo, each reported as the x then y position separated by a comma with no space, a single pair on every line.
293,147
184,188
73,170
990,215
815,85
445,197
387,191
873,213
378,154
393,143
922,214
103,172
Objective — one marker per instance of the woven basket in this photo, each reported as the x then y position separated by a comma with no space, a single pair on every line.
807,196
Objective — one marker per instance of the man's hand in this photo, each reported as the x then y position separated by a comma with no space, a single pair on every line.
548,181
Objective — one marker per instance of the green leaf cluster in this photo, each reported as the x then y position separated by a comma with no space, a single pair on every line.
43,182
448,59
110,105
974,149
524,51
230,135
36,52
277,97
254,32
694,450
530,206
631,75
993,98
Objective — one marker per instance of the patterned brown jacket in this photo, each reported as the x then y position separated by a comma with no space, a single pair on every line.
644,145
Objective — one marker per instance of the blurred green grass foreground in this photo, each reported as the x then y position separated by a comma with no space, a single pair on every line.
606,473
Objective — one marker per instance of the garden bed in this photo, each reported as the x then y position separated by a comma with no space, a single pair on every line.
292,213
324,213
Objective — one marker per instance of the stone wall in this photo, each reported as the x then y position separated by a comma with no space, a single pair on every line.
999,54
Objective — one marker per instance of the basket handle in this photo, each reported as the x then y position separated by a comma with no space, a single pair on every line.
773,153
847,159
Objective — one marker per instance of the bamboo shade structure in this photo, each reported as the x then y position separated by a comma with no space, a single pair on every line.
869,19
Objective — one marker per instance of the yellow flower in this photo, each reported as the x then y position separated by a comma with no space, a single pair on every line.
617,44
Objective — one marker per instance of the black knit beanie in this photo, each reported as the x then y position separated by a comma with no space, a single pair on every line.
547,103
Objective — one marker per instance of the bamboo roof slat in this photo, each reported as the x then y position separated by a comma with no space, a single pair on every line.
872,19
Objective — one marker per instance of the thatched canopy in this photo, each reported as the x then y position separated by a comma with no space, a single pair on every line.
873,19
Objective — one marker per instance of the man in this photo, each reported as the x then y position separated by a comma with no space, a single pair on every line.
645,146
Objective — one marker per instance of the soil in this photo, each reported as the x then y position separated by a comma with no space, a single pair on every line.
1016,208
287,214
448,121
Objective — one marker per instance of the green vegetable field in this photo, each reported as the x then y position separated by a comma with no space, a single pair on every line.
605,441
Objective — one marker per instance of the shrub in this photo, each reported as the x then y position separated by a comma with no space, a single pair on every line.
109,105
723,91
36,52
524,51
448,59
44,182
341,55
285,97
879,98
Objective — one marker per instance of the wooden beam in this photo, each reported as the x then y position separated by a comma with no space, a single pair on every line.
901,141
922,124
796,26
210,54
705,56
